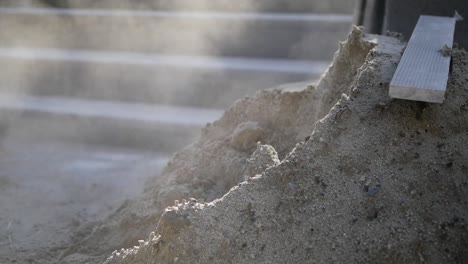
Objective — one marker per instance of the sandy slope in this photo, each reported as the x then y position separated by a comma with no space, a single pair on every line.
377,181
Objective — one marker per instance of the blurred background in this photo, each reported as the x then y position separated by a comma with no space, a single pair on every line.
147,75
96,95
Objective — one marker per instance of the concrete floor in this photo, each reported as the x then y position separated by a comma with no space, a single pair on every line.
48,190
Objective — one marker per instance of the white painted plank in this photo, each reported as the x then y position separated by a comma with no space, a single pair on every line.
422,74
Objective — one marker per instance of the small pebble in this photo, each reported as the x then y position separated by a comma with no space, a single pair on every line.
413,192
373,192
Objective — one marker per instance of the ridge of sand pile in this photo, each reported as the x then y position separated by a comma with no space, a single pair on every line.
378,181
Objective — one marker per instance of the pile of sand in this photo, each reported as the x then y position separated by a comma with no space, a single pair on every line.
343,174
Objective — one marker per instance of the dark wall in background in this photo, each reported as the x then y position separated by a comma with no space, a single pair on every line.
380,16
401,13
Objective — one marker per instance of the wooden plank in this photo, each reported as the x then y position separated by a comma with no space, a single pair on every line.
422,74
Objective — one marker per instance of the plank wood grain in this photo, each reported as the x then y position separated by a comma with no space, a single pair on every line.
422,73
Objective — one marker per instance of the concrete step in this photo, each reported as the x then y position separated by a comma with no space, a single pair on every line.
269,35
296,6
212,82
157,127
